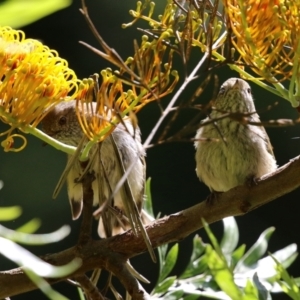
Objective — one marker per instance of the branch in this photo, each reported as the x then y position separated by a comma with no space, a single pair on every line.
89,288
111,253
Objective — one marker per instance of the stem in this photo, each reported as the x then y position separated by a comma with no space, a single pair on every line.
178,93
48,139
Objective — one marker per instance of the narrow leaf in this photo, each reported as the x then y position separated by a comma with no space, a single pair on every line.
213,239
230,237
263,293
35,239
197,262
250,292
10,213
30,11
237,254
257,250
169,263
26,259
31,226
148,202
164,285
222,275
195,268
44,286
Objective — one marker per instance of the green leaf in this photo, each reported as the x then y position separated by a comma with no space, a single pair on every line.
213,239
286,256
44,286
10,213
297,281
176,294
31,11
195,268
81,293
162,252
169,263
257,250
230,237
288,285
250,292
219,267
35,239
197,264
201,282
222,274
263,293
265,267
237,254
163,286
148,207
198,247
31,226
27,260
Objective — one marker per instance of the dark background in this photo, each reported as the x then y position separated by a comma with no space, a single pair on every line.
30,176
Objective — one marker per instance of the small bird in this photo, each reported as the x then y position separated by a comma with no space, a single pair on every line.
230,153
62,124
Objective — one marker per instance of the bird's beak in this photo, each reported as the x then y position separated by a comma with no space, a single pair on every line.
236,85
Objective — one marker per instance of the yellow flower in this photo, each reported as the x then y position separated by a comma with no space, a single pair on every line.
186,24
98,128
266,35
153,62
32,79
123,93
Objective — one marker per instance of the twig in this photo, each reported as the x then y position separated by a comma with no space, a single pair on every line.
184,85
89,288
87,210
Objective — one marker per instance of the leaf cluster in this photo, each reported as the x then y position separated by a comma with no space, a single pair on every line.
224,270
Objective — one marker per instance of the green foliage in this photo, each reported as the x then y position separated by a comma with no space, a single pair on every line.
10,213
148,207
225,271
31,226
167,263
34,267
31,11
289,285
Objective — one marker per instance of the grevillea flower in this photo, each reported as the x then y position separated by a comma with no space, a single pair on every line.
194,23
266,34
108,95
114,103
121,94
33,78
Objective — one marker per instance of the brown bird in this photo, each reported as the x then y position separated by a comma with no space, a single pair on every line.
62,124
228,153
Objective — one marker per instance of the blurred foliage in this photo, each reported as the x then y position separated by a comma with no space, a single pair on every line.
222,270
34,267
31,11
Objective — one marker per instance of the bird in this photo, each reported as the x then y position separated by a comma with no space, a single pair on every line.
230,152
61,123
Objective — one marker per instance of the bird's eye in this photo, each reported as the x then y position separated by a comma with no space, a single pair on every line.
249,91
62,120
222,91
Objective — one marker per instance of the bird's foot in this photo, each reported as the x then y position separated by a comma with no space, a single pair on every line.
212,198
251,181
